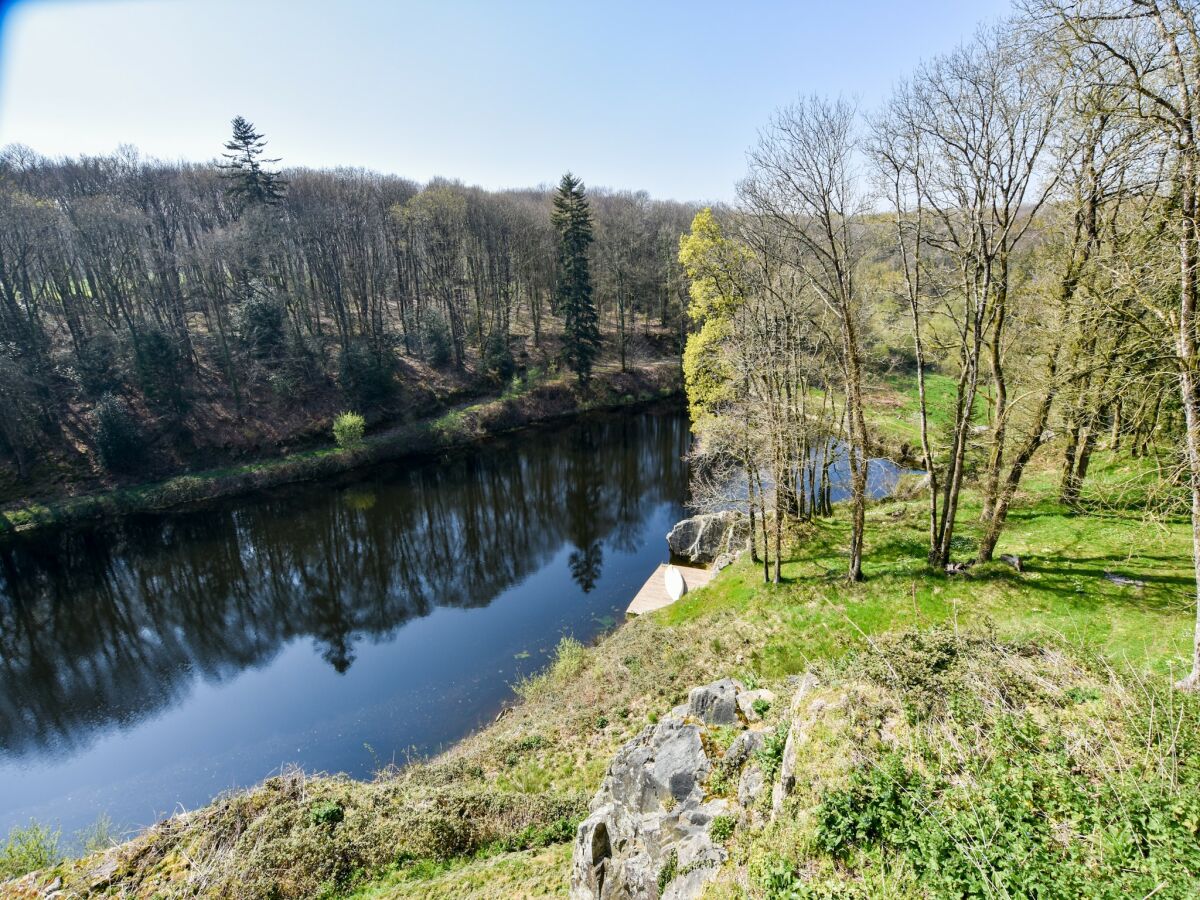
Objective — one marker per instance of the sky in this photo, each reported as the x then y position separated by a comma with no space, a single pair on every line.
660,95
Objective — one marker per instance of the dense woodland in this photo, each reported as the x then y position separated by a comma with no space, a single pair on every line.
1015,226
174,306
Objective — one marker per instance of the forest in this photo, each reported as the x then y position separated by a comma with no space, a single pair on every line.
156,313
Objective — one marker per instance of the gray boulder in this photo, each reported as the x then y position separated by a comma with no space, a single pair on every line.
704,538
716,703
653,813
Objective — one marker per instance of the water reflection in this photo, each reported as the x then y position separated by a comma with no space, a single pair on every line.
105,628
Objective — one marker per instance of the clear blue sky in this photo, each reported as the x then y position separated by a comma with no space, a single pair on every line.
664,95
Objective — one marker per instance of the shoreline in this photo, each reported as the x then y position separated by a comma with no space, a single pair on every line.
455,429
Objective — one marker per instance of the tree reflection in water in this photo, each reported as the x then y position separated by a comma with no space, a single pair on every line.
100,628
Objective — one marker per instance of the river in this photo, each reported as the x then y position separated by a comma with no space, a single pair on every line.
147,666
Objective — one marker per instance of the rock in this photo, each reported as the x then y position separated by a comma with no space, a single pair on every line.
744,746
796,737
750,786
704,538
716,703
747,699
1013,560
650,815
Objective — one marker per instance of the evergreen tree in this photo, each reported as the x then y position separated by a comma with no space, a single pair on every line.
573,291
249,181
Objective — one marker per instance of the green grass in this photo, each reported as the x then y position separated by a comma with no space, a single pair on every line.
1063,592
896,408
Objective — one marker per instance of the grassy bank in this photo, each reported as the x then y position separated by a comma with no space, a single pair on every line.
1093,660
520,406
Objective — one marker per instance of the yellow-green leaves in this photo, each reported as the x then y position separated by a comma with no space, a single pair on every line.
719,270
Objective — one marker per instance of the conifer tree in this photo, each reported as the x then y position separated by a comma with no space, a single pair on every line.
249,181
573,291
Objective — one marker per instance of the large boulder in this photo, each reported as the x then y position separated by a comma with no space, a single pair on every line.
648,834
701,539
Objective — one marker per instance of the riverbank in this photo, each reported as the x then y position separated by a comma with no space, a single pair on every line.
545,401
494,817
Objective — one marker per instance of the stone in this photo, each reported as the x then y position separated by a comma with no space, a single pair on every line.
651,805
744,746
716,703
750,786
747,699
702,539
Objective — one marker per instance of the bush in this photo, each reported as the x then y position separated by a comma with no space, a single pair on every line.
119,440
348,429
29,849
367,374
326,812
260,325
435,341
721,829
159,372
98,364
498,360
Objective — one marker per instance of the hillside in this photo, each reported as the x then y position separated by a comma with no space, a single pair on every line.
495,816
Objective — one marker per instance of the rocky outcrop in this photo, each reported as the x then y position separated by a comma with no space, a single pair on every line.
649,832
704,538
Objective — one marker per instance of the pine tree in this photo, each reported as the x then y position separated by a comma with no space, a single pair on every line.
573,290
249,182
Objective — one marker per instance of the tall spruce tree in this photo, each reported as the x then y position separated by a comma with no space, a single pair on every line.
573,290
250,182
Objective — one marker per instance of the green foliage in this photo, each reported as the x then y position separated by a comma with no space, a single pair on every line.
668,871
435,341
348,430
498,360
260,325
250,182
99,836
719,272
326,812
1035,802
159,366
770,755
119,441
573,287
98,364
721,828
761,706
367,373
28,849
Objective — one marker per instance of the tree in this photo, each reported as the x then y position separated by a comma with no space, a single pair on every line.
250,183
803,181
573,291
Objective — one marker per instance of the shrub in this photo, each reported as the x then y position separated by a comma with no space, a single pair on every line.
721,829
260,325
367,374
28,849
348,429
98,364
118,439
99,836
435,341
157,358
326,812
498,360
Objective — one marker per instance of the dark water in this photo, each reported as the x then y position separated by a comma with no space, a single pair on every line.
148,666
